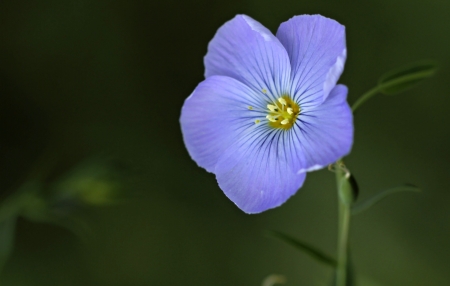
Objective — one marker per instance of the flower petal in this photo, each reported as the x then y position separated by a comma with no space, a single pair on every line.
214,115
254,174
324,133
317,51
245,50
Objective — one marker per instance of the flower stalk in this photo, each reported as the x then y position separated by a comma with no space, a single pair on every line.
346,196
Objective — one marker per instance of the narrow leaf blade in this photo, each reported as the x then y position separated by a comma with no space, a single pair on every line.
71,223
305,247
7,231
364,205
403,78
273,280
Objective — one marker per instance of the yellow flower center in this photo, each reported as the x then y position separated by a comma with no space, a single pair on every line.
283,113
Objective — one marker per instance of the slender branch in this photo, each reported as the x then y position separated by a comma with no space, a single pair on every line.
363,98
394,82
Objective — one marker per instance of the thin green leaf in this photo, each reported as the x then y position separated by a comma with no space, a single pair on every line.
273,280
364,205
401,79
7,230
306,248
72,223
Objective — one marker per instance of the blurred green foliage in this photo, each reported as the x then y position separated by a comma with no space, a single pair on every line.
91,183
82,77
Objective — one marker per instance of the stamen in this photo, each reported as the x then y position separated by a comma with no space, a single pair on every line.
270,118
282,113
282,101
272,108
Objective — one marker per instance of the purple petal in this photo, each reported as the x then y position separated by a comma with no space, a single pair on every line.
214,115
245,50
317,52
323,133
254,174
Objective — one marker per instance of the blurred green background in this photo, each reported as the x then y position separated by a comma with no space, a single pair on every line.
80,78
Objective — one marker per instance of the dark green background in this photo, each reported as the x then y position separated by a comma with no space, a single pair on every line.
88,77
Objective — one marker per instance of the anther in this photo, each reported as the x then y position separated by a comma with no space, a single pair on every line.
272,108
290,111
270,118
285,121
282,101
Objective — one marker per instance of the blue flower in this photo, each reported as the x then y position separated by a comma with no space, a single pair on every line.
269,109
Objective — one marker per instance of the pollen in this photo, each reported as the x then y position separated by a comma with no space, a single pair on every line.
271,118
250,107
282,113
272,107
282,101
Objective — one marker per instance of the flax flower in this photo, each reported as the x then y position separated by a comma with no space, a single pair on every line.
269,109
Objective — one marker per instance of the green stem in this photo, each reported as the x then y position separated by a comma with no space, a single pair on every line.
366,96
343,231
393,82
